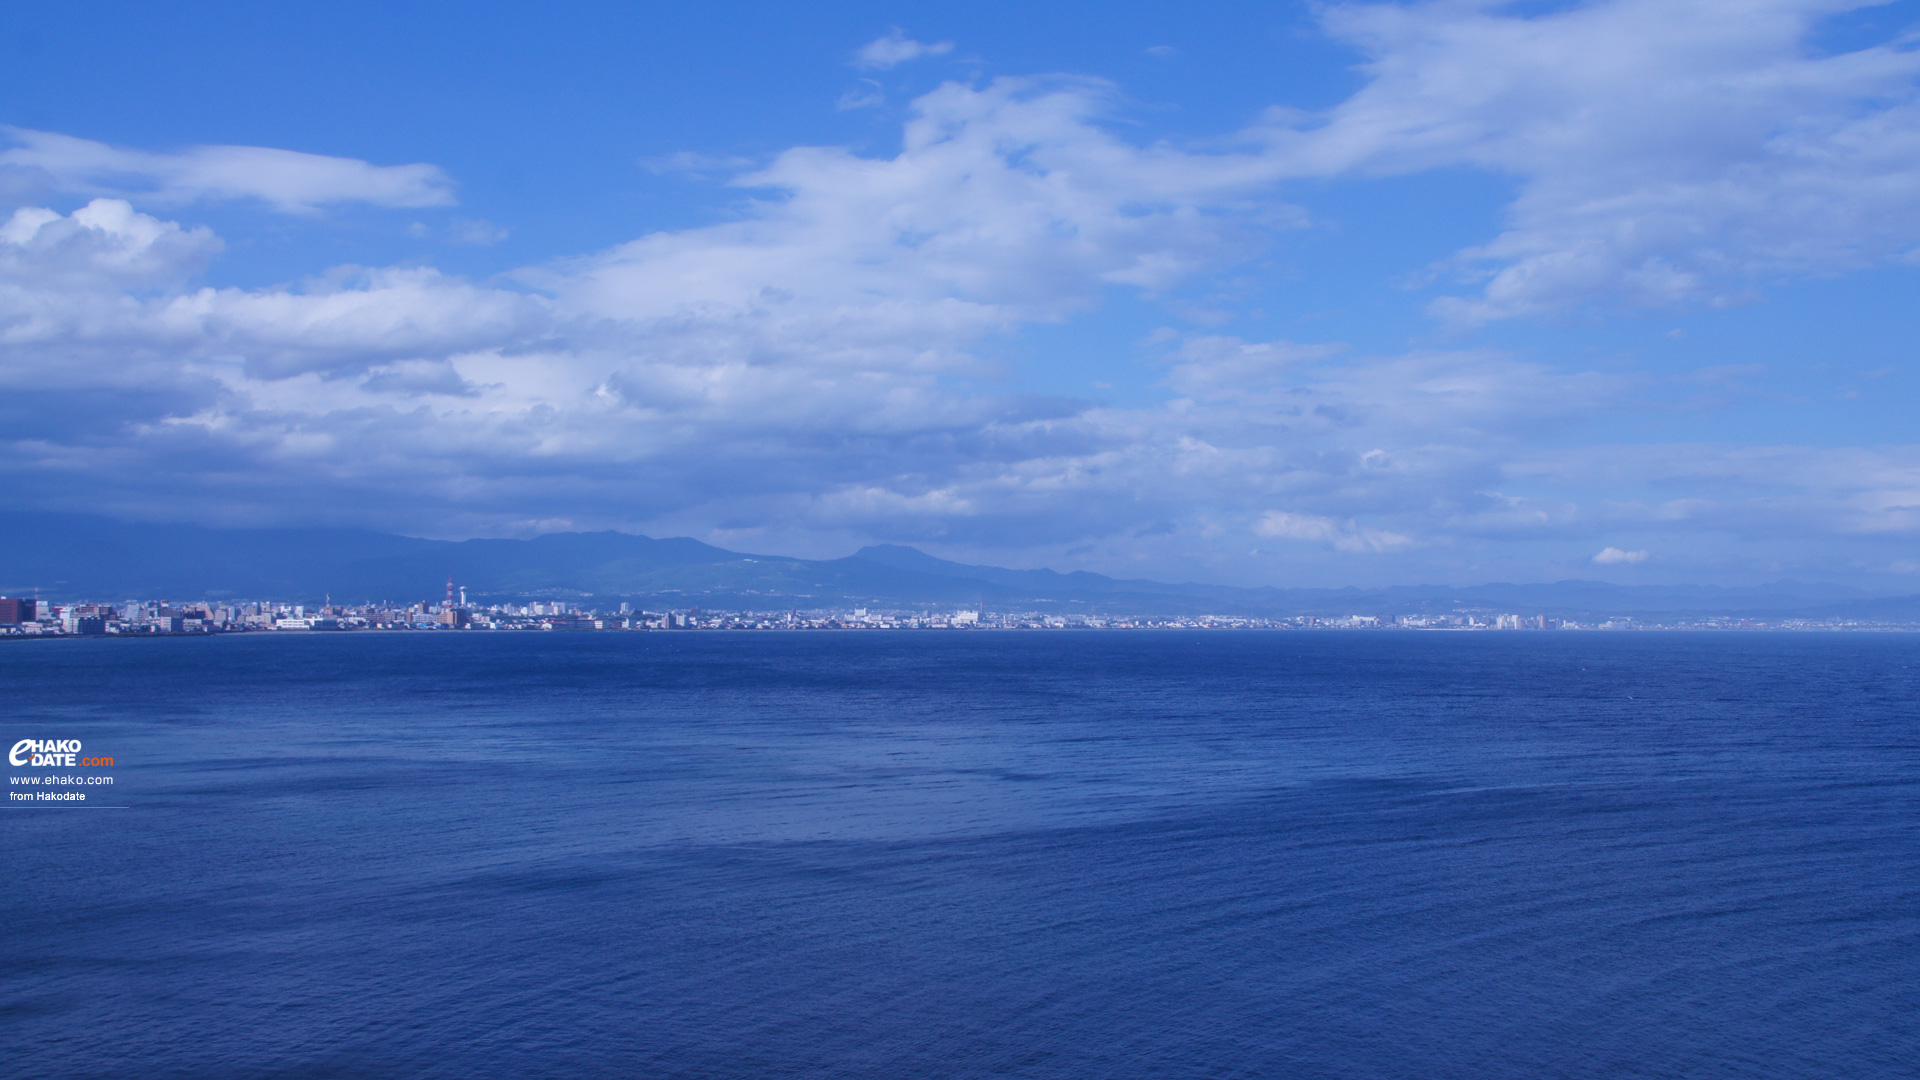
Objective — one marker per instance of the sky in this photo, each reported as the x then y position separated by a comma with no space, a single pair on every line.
1298,294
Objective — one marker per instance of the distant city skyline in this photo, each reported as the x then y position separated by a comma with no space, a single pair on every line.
1298,295
205,617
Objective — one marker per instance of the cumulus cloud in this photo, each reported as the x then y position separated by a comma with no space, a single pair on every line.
285,180
1666,151
894,49
103,243
1613,556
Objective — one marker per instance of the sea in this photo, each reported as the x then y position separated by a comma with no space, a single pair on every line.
932,854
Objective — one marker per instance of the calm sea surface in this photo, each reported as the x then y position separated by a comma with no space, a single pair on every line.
905,855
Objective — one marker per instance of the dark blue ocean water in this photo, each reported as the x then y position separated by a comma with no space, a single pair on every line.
970,854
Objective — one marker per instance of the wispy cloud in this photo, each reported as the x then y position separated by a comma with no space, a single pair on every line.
866,95
894,49
285,180
687,161
475,232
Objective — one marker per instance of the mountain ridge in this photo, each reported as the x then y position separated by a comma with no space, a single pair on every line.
75,556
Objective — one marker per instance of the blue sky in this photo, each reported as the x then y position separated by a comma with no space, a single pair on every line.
1281,293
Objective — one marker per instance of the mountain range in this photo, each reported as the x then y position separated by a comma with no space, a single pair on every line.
70,556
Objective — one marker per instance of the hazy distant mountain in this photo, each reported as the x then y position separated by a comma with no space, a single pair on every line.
74,556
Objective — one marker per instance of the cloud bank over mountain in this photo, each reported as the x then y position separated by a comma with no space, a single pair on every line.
823,369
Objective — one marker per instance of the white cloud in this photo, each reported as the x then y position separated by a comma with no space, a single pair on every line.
865,96
1613,556
344,324
1667,151
1280,525
690,163
103,243
283,179
1214,368
1007,203
894,49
